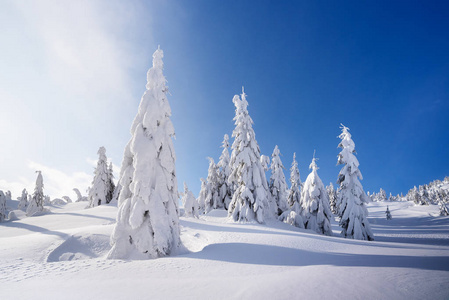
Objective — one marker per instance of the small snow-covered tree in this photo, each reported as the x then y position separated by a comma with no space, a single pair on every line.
212,197
225,189
444,210
79,196
100,186
23,204
388,213
293,215
36,205
332,194
2,206
250,197
148,219
110,186
351,196
204,191
315,203
189,202
278,185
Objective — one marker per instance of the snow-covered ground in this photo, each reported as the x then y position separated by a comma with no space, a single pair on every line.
61,255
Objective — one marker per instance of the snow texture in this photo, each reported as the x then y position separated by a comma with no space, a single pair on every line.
250,200
315,203
147,220
351,197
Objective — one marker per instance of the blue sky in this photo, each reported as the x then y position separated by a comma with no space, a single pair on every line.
72,74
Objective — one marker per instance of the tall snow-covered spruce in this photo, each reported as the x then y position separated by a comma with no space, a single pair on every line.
147,219
250,200
100,192
278,186
315,203
225,191
36,205
350,195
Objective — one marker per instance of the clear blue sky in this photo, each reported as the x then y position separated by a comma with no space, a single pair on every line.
72,74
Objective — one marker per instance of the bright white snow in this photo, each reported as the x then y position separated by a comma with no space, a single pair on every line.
62,254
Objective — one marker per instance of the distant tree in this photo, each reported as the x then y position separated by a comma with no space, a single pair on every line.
278,185
23,204
100,189
110,186
213,197
36,204
148,219
225,189
444,210
388,213
189,202
351,196
3,212
293,215
79,196
315,203
332,194
204,191
250,198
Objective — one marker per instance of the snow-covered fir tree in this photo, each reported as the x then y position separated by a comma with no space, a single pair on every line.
332,194
189,202
388,213
3,212
250,198
444,209
212,197
110,184
294,193
23,203
36,205
100,189
278,185
293,215
350,194
225,189
204,191
147,220
315,203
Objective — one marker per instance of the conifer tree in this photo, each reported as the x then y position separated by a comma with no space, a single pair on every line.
388,213
315,203
2,206
36,204
332,198
147,220
225,189
351,196
202,196
189,202
212,197
100,188
278,186
250,198
23,204
293,215
110,184
79,196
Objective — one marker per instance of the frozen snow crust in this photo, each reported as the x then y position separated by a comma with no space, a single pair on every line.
62,255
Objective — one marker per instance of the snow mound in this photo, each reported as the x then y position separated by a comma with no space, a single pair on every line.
79,247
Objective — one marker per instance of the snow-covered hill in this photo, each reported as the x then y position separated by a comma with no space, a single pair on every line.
61,255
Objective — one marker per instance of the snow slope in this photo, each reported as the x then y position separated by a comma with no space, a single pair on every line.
62,255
